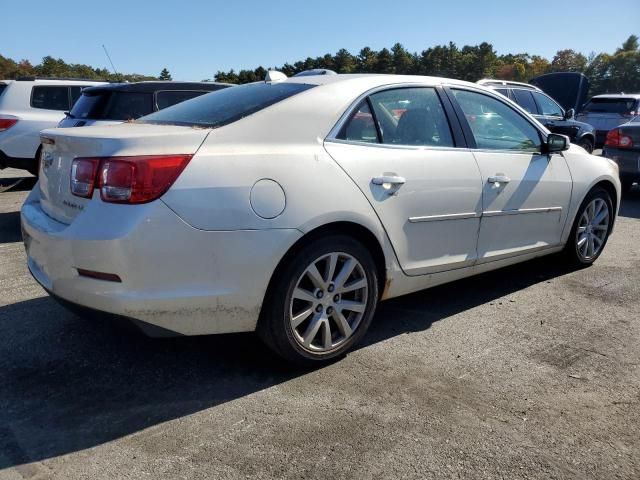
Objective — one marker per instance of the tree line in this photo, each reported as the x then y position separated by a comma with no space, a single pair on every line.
608,72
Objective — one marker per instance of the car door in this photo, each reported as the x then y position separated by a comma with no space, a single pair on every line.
399,148
526,193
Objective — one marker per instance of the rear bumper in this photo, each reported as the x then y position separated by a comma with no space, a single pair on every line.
174,277
628,161
13,162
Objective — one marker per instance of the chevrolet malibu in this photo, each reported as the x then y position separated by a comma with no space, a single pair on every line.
291,207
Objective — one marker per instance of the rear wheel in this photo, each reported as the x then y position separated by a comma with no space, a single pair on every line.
586,144
322,301
591,228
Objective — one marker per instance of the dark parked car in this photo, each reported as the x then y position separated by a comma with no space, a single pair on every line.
119,102
622,145
546,110
606,112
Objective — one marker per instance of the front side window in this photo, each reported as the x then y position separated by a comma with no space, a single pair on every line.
525,100
547,106
360,127
227,105
495,125
412,116
50,98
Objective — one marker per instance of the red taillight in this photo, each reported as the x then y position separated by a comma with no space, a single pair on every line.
83,176
138,179
6,123
616,139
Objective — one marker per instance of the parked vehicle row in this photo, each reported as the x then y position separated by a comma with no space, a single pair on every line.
546,110
30,105
292,206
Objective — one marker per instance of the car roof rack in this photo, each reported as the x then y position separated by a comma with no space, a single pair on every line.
74,79
506,83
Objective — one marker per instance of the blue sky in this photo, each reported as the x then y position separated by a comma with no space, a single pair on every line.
196,38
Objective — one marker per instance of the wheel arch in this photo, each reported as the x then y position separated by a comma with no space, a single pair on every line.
352,229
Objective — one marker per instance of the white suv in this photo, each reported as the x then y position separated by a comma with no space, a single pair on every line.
28,106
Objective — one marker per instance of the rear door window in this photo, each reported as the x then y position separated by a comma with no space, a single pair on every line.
547,106
412,116
50,98
525,100
168,98
361,126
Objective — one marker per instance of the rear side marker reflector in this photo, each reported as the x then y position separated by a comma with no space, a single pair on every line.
109,277
137,179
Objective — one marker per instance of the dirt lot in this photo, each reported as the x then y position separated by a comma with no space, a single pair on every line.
529,372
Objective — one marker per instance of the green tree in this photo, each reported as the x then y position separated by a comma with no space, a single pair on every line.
164,75
568,61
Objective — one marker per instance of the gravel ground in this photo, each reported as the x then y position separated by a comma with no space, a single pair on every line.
528,372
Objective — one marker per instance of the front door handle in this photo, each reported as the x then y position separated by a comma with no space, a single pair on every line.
498,179
389,182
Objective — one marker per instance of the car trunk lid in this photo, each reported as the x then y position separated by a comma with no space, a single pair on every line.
61,146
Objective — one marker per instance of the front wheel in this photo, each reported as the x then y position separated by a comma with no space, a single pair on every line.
322,301
591,228
586,144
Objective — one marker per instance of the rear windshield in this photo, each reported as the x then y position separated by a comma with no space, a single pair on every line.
226,106
113,105
622,106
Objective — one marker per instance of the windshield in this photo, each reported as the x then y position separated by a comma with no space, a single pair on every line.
622,106
226,106
113,105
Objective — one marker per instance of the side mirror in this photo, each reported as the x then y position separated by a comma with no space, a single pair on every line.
569,114
556,143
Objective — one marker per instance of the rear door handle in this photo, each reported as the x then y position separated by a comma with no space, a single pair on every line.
498,178
389,182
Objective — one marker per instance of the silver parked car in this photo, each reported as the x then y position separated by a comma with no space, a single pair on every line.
293,206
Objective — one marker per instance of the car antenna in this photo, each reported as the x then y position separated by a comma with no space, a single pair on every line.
110,61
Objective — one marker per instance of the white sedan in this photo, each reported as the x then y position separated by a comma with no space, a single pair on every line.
292,206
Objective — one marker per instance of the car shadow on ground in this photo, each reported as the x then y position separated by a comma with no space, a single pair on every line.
69,384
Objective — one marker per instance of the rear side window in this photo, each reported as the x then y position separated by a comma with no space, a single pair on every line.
168,98
503,91
2,87
525,100
360,127
412,116
495,125
50,98
622,106
547,106
227,105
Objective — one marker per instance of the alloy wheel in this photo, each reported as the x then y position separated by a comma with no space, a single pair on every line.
328,302
592,229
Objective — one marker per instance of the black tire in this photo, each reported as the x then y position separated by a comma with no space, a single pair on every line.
587,144
35,170
275,327
571,249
